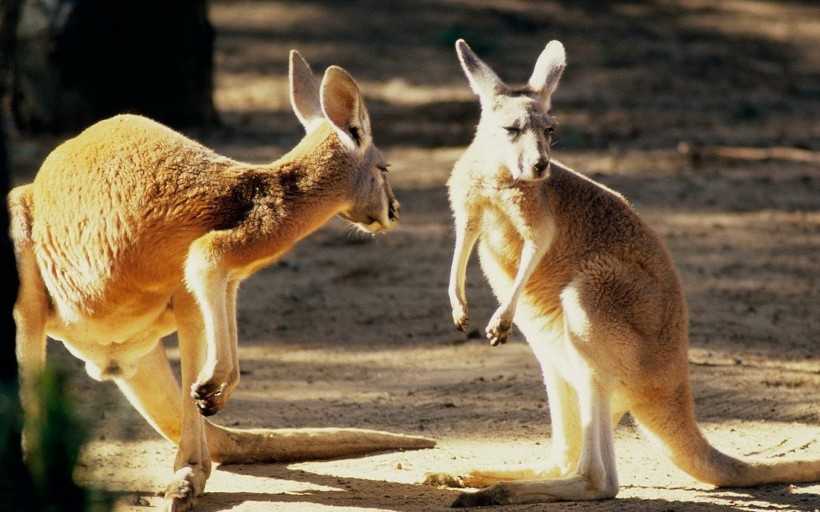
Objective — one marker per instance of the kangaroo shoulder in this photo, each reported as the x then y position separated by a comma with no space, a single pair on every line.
464,182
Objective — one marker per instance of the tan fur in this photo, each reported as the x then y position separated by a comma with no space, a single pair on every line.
593,290
131,231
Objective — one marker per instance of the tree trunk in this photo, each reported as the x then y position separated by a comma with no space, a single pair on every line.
16,485
79,61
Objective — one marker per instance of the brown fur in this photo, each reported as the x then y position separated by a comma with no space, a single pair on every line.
131,231
595,293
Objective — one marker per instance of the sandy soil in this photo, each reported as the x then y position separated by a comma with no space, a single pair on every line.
355,331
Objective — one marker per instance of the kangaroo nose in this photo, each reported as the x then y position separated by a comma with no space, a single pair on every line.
540,166
393,210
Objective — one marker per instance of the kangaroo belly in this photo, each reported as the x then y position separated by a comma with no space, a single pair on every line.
111,346
499,251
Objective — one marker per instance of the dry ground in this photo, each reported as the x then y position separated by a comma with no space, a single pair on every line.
352,331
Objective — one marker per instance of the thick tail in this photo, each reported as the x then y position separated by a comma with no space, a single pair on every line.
247,446
671,421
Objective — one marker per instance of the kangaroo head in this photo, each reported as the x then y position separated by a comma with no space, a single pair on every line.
337,101
515,124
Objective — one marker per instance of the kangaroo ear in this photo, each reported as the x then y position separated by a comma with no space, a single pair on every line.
483,80
304,92
344,107
548,70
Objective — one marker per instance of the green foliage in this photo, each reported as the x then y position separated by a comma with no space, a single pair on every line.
16,487
58,437
54,436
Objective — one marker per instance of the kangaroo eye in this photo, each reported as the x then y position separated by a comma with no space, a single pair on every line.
384,168
548,131
512,130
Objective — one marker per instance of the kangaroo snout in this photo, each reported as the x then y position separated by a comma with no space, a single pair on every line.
532,170
540,167
389,221
376,221
393,210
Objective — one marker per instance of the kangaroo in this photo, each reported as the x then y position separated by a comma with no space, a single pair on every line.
131,231
593,290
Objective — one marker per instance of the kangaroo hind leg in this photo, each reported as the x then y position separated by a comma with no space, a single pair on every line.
564,454
153,390
31,308
192,465
594,476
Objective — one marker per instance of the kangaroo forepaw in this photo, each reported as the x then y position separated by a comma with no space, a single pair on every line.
209,397
500,326
460,318
212,389
498,332
461,323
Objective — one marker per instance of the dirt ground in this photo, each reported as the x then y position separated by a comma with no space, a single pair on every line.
659,101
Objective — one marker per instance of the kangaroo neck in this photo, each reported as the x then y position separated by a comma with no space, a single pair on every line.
317,168
305,187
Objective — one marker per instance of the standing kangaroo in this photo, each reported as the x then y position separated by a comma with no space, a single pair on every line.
594,292
130,231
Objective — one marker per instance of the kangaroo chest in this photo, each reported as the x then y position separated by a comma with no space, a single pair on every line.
508,216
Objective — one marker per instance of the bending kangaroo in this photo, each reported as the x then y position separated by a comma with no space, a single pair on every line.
130,231
593,290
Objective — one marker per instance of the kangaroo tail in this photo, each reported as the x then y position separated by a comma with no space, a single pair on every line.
671,421
247,446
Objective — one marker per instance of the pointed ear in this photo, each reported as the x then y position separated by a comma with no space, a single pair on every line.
483,80
344,107
304,92
548,70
